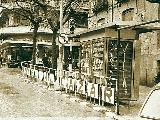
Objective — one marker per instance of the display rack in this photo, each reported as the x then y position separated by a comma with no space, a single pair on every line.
86,58
97,59
97,54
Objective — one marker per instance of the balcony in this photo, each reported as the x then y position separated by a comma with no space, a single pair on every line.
100,7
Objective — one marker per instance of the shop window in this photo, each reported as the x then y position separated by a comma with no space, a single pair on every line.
127,15
71,57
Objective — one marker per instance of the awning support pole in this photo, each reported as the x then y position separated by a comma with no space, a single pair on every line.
117,85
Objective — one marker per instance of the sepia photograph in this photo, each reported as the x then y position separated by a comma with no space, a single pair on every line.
79,59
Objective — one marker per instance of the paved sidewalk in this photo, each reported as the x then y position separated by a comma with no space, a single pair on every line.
135,106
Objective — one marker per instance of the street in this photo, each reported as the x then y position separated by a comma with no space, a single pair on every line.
21,98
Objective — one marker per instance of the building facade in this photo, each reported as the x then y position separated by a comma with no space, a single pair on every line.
17,37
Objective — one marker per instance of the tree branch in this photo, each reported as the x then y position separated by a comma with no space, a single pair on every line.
24,11
67,6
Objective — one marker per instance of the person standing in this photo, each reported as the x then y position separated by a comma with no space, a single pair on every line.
45,61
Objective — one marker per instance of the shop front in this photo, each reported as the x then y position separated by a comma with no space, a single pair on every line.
14,53
102,63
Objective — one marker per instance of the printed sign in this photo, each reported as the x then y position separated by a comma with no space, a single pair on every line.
28,71
125,64
32,72
71,83
51,78
108,94
25,70
65,82
45,76
92,90
36,73
40,75
80,86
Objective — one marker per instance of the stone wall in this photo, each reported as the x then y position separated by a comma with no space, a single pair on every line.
143,11
148,66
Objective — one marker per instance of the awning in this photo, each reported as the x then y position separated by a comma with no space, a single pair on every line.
128,30
108,25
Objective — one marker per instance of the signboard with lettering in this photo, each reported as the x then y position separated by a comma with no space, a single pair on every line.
125,67
28,72
92,90
108,94
51,78
40,75
71,84
45,76
32,72
36,73
80,86
25,70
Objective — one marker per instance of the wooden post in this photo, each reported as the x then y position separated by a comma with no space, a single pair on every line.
118,77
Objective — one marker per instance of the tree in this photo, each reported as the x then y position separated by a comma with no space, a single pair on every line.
31,11
52,16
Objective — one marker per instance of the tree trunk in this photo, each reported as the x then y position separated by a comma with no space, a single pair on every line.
34,44
55,49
